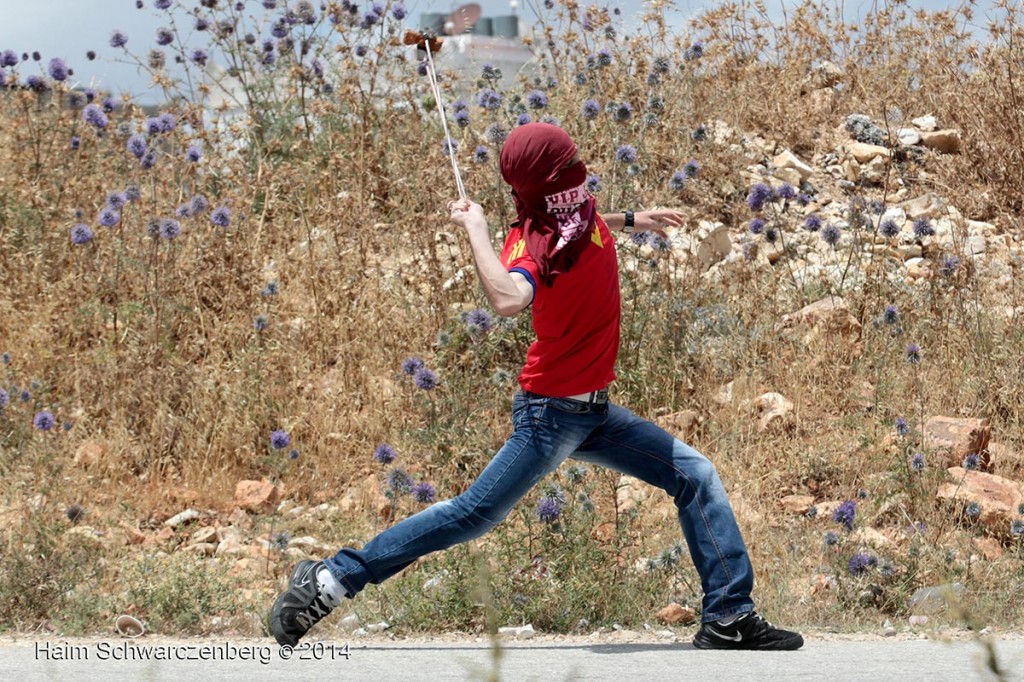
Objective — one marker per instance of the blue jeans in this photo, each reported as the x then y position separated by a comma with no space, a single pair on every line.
546,432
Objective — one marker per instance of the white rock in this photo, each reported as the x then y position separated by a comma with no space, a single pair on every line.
788,159
378,627
349,623
182,518
925,122
908,137
521,632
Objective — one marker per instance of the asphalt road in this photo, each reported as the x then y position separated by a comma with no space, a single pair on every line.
70,660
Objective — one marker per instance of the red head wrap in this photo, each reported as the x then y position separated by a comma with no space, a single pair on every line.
555,211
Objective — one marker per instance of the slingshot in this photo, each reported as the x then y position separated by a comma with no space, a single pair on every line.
433,44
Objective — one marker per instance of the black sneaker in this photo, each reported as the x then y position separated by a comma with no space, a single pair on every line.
301,606
749,631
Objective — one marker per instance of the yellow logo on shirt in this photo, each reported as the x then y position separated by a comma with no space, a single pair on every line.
595,236
517,250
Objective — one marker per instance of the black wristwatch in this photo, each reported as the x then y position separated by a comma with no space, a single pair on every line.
628,226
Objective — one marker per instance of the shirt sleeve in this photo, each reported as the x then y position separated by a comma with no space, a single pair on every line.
516,258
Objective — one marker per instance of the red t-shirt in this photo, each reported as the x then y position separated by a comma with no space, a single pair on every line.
576,319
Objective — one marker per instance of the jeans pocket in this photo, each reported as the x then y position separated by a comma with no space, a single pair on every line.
570,406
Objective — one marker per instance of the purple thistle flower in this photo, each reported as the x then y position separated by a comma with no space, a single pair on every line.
153,126
756,226
813,223
691,168
949,265
787,192
399,481
167,122
198,204
398,11
9,58
481,154
425,379
183,210
973,509
913,353
162,4
35,83
293,455
361,50
109,217
25,396
917,462
523,119
759,195
221,216
902,428
845,514
860,563
201,24
694,51
199,56
164,36
623,112
58,70
831,234
549,509
890,315
133,193
594,184
889,228
279,440
923,228
640,238
1017,527
678,181
194,153
479,321
625,154
831,538
43,420
75,142
169,229
411,365
95,117
137,146
449,146
591,109
424,493
771,235
110,104
536,99
604,58
803,199
118,39
116,200
384,454
5,399
461,118
971,462
488,99
260,323
81,234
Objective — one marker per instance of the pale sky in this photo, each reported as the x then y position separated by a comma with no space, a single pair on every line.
68,28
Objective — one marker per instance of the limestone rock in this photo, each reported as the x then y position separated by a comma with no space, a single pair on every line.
676,614
256,496
683,425
864,152
181,518
789,160
828,317
774,409
927,123
908,137
797,504
998,497
944,141
925,206
990,548
958,437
